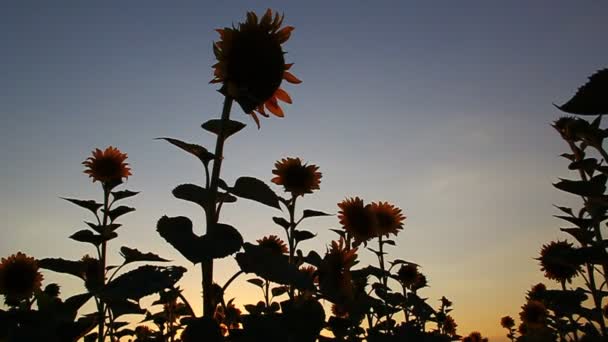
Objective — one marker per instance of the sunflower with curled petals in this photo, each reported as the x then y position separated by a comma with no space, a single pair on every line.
19,277
357,219
559,261
107,166
389,218
273,244
335,278
295,177
251,64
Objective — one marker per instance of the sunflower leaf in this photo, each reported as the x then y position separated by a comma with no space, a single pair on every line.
118,195
62,266
302,235
281,222
590,99
255,190
256,281
87,204
193,193
231,127
196,150
143,281
88,236
594,187
313,213
118,212
134,255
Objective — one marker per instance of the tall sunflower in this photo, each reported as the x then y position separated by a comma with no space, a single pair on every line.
357,219
19,277
389,218
273,244
107,166
251,64
295,177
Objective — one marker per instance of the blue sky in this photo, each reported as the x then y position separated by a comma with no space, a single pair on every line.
442,108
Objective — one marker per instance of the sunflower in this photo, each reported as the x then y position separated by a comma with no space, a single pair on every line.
334,271
507,322
407,275
310,272
475,337
558,261
533,314
537,292
296,178
449,325
357,219
91,271
107,166
251,65
389,218
273,244
19,277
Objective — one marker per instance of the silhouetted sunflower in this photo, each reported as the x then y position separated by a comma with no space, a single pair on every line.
334,272
558,261
507,322
420,282
19,277
407,275
474,337
251,64
537,292
274,244
533,314
449,325
91,271
107,166
357,219
311,272
296,178
389,218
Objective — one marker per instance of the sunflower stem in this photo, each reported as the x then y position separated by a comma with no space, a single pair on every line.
212,215
102,259
291,237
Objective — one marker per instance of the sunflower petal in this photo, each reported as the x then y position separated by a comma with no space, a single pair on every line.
288,66
256,119
261,110
282,95
266,19
289,77
273,107
284,34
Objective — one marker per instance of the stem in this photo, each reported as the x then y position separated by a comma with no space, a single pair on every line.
234,276
381,259
100,306
291,237
211,214
570,315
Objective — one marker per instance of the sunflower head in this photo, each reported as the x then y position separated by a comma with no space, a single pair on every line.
19,277
475,337
273,244
507,322
310,272
107,166
334,271
251,64
537,292
295,177
533,314
389,218
407,275
558,261
357,219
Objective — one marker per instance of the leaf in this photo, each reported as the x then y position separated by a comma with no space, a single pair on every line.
302,235
312,213
313,258
594,187
583,223
101,229
118,195
588,165
133,255
256,190
193,193
565,210
389,242
196,150
74,303
121,307
88,204
590,99
268,265
143,281
62,266
256,281
220,242
279,290
281,222
231,127
86,235
580,235
118,212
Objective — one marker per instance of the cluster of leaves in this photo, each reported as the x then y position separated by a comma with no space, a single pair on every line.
575,313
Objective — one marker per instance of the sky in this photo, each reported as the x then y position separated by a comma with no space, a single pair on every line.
442,108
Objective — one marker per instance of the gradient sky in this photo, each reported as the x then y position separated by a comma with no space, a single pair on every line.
442,108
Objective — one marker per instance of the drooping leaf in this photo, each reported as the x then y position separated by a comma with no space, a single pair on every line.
279,290
256,281
220,242
281,222
230,127
583,223
134,255
143,281
193,193
565,210
591,98
177,231
268,265
88,236
582,236
122,194
119,211
302,235
74,303
121,307
256,190
62,266
594,187
198,151
87,204
312,213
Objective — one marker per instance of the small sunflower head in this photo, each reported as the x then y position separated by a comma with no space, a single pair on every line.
389,218
251,64
420,282
558,261
507,322
357,219
449,325
334,271
310,272
537,292
19,277
533,314
273,244
407,274
475,337
295,177
107,166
